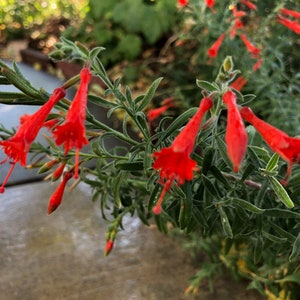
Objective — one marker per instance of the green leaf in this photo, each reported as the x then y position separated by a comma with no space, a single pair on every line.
210,187
273,163
207,160
296,249
130,166
150,93
225,223
219,176
281,213
205,85
290,278
247,205
101,101
95,52
273,238
281,193
223,150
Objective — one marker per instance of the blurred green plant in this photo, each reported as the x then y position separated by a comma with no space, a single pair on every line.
125,27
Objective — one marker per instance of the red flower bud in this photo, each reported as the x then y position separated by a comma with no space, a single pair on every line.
56,197
108,247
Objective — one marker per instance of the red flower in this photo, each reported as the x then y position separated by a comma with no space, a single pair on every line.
17,147
174,162
182,2
292,25
72,132
257,65
238,13
56,197
236,135
291,13
239,83
287,147
213,50
250,47
156,112
249,4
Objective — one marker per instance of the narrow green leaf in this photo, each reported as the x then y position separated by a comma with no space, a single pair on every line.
219,176
290,278
281,193
207,160
281,213
150,93
101,101
273,238
296,249
223,150
225,223
130,166
95,52
247,205
272,164
258,249
210,187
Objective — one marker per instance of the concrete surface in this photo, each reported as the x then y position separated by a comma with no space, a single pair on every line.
60,257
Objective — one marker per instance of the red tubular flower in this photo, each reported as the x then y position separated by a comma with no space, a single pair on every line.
239,83
214,49
292,25
236,136
257,65
249,4
291,13
17,147
287,147
238,13
72,132
250,47
174,162
156,112
56,197
182,2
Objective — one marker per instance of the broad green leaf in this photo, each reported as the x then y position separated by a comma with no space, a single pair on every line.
281,193
205,85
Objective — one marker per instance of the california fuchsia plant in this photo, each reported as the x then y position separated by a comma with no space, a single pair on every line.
217,172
